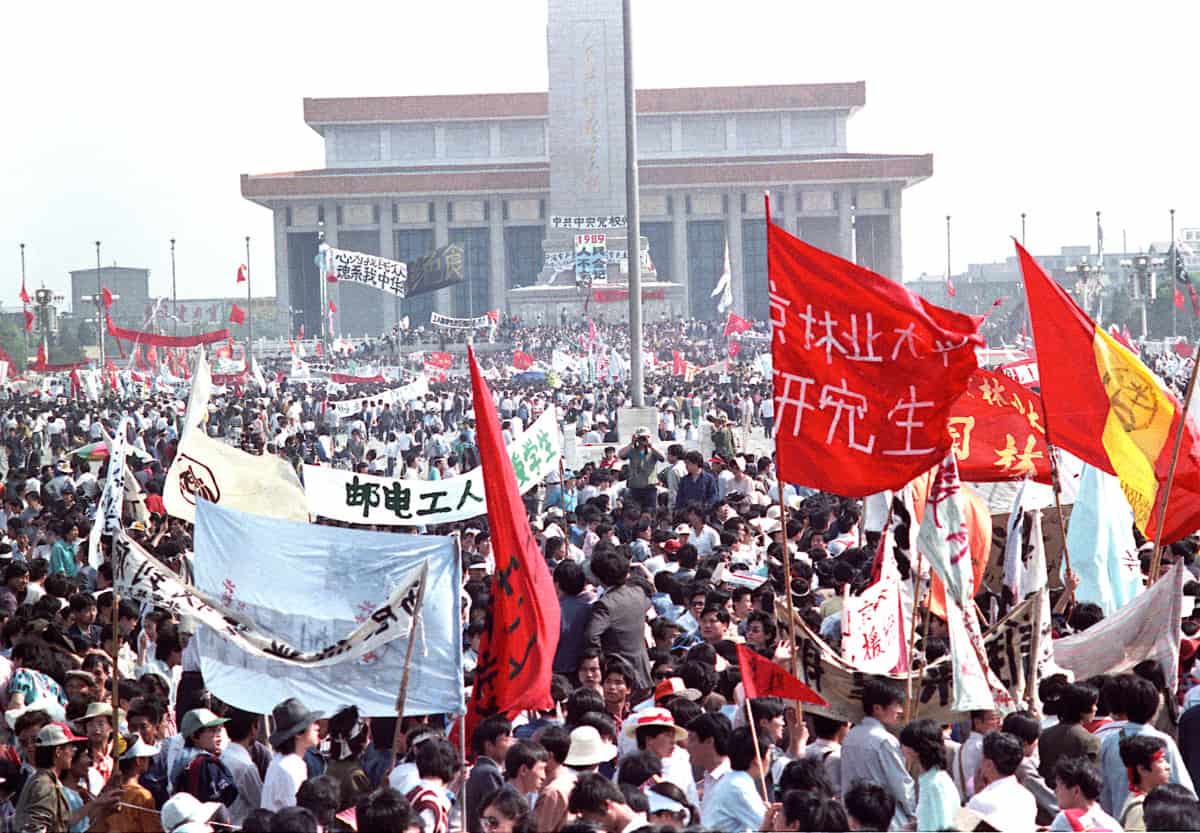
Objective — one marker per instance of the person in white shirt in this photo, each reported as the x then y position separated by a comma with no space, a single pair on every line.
708,746
736,804
295,733
962,770
242,729
999,798
1077,788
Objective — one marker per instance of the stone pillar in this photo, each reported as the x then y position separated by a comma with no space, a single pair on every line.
283,285
387,248
733,239
331,289
845,227
679,250
498,274
895,262
441,236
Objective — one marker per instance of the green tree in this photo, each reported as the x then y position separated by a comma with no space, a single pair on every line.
68,348
13,342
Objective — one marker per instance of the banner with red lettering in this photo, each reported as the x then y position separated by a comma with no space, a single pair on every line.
155,340
999,431
866,373
609,295
522,360
347,379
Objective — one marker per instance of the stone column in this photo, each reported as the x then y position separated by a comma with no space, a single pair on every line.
498,274
387,248
733,239
895,263
283,284
845,228
679,249
441,236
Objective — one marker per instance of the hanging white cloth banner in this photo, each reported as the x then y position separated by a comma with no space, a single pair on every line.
417,389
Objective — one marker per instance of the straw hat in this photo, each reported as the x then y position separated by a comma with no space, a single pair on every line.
588,749
652,717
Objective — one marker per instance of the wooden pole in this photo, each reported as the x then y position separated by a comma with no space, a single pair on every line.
116,660
402,696
912,632
1156,560
1052,452
787,581
762,776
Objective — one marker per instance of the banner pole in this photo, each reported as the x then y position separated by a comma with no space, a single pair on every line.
1156,561
762,776
912,631
402,696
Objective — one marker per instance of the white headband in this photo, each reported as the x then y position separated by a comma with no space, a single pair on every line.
660,803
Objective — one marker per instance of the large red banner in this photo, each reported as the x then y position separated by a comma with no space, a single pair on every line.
999,431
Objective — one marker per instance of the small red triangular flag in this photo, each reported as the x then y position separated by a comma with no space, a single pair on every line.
763,678
241,274
236,315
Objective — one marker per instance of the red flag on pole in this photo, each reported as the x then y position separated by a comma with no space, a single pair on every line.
332,306
440,359
106,297
763,678
29,320
1178,299
24,293
516,653
734,348
865,372
736,324
678,363
237,315
522,360
241,273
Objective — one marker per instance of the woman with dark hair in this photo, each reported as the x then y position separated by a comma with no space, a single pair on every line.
924,747
505,811
1075,706
669,807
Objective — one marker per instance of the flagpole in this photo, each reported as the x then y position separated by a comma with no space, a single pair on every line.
762,776
912,630
402,696
249,309
24,329
1156,560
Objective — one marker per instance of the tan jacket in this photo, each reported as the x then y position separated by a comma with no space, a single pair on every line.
42,805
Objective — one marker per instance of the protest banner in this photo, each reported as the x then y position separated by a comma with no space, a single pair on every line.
872,627
112,495
308,585
211,470
448,323
345,408
144,579
366,499
369,270
865,372
998,431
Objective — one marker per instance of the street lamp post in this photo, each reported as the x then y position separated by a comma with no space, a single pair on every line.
1143,283
174,292
99,307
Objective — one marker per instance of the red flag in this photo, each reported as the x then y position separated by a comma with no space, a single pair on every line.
241,274
999,431
106,297
522,360
516,654
152,358
736,324
493,315
139,358
1178,299
320,349
237,315
28,320
440,359
678,363
734,348
865,372
332,307
1195,299
591,332
949,286
24,294
41,355
763,678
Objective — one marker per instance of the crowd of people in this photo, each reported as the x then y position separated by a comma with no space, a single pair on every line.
665,560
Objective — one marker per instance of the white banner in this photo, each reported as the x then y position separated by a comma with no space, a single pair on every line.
356,267
872,627
197,404
143,578
448,323
309,585
108,508
1146,628
219,473
611,221
416,389
366,499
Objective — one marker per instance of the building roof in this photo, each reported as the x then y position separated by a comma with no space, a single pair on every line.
694,173
320,112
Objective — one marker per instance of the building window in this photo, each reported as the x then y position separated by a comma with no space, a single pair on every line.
759,131
704,133
360,307
471,295
659,236
413,141
523,254
814,130
410,245
754,268
654,134
706,259
358,144
523,138
467,141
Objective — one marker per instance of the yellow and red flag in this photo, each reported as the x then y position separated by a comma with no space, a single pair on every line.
1105,407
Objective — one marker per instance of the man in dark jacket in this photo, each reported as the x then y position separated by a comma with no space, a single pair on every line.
618,621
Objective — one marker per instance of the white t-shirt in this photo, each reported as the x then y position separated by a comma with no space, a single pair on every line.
284,777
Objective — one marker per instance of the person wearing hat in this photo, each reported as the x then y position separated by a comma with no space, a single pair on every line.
655,731
642,459
97,725
198,769
42,804
184,813
296,732
722,437
142,816
587,750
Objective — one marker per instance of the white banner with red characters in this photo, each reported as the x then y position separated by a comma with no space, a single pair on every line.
872,628
865,372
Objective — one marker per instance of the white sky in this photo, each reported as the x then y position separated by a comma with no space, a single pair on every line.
131,122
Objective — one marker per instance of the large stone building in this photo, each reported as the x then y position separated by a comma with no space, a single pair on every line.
404,175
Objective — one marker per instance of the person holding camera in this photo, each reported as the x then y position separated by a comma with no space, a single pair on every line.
642,459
